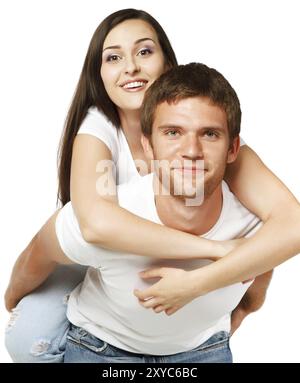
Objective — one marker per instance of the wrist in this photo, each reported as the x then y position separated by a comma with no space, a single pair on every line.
217,250
230,245
197,282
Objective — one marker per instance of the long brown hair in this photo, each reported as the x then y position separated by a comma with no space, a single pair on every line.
90,90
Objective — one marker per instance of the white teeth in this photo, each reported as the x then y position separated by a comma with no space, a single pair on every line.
135,84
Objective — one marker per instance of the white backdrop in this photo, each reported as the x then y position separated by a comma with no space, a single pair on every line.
253,43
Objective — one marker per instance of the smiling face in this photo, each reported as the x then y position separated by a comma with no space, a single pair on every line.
192,134
132,60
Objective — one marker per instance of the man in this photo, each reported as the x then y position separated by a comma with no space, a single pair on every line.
191,122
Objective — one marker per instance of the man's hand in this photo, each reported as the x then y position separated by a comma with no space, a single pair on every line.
252,300
237,317
10,301
170,293
242,310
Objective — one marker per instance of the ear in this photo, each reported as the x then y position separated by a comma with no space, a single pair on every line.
233,150
146,143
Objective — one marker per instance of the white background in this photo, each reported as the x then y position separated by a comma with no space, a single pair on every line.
255,44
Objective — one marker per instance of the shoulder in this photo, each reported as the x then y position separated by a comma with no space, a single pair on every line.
236,216
234,208
97,125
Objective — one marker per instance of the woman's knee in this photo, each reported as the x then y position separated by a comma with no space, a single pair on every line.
32,336
36,331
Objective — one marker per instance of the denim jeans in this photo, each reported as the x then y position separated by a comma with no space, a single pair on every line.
37,329
83,347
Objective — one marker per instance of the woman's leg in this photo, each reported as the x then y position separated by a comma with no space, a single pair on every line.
37,329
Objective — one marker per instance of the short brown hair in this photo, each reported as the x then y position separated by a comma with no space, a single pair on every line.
192,80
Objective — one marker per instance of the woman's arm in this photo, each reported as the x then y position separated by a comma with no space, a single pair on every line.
177,287
257,187
275,242
103,222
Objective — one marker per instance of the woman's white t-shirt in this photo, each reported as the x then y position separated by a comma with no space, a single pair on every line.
98,126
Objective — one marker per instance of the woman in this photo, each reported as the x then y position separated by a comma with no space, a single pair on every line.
128,51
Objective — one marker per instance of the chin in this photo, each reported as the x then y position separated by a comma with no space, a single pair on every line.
132,107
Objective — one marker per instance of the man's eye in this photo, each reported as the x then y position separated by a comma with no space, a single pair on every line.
145,52
211,134
172,133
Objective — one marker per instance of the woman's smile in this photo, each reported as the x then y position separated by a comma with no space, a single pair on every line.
134,85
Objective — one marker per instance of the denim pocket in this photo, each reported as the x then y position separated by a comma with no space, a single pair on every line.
218,340
82,338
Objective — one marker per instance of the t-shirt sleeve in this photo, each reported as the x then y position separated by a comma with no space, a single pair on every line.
96,124
71,241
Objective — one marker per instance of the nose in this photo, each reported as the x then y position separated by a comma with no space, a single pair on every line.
131,65
191,148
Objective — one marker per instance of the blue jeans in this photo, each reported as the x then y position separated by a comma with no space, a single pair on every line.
83,347
37,330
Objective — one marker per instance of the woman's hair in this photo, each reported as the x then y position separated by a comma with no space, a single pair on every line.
90,90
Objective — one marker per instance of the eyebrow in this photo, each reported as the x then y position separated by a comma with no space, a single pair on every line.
167,126
135,43
173,126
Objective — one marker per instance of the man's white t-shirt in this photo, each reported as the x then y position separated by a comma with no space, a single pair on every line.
104,303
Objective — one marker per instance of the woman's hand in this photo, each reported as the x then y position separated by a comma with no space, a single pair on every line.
174,290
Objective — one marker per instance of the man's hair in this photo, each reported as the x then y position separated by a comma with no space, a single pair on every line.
192,80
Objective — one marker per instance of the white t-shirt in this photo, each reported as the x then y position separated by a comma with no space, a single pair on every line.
98,305
104,304
98,126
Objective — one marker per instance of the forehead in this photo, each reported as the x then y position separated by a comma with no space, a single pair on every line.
190,113
129,31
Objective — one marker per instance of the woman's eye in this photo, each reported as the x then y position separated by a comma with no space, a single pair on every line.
145,52
113,58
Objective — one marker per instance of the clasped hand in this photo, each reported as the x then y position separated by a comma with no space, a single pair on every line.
175,289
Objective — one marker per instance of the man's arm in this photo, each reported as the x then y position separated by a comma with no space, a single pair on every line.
252,300
35,264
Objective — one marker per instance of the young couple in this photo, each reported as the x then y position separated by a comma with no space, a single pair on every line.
190,114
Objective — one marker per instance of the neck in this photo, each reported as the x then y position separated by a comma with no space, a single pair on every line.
131,126
197,220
